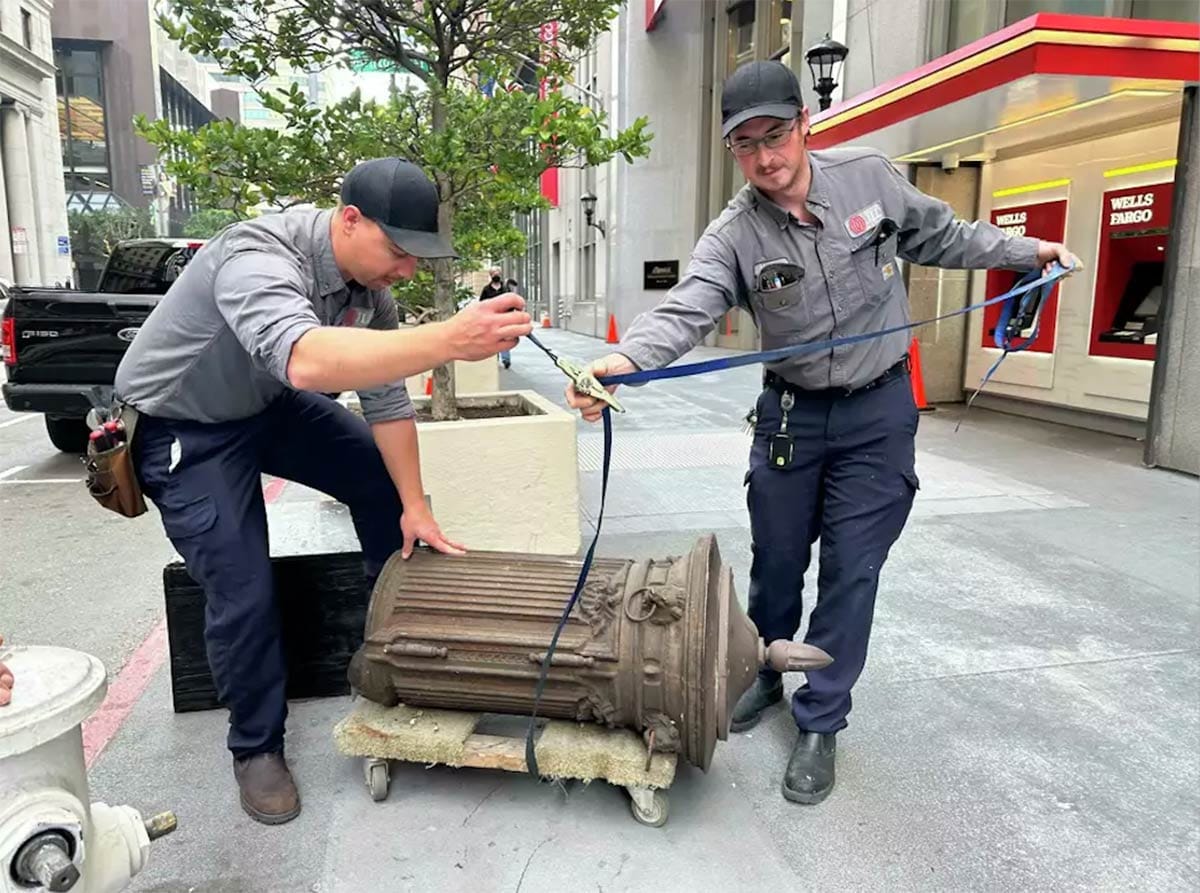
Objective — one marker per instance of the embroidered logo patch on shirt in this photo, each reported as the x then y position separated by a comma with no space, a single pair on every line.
861,221
359,317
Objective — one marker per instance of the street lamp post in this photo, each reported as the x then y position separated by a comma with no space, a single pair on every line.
589,212
825,62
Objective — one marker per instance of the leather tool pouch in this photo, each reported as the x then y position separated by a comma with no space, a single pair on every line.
111,478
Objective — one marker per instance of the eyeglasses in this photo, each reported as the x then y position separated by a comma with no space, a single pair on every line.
773,140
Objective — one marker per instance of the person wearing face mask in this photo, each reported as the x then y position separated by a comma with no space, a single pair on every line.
496,286
809,246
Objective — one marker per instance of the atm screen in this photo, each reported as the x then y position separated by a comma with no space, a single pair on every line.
1137,312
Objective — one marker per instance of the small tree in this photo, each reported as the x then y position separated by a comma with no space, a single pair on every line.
96,233
207,223
481,136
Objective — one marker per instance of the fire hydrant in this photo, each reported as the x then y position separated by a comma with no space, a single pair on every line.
52,837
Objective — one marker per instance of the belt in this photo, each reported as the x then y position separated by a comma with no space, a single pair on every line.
781,385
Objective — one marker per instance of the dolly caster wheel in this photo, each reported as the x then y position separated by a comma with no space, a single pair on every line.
378,777
649,806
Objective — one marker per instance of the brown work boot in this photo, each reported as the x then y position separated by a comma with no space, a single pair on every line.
268,793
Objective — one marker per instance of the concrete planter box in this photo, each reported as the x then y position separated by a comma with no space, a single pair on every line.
508,483
470,377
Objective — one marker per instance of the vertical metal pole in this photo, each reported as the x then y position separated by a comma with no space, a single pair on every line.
1155,452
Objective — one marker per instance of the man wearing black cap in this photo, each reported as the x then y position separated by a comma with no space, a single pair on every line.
228,376
810,247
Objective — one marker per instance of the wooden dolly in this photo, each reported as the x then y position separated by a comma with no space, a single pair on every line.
565,750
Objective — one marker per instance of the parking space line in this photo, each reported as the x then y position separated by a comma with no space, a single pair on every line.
21,418
124,693
41,480
16,469
272,489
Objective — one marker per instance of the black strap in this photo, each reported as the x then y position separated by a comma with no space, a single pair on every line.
530,758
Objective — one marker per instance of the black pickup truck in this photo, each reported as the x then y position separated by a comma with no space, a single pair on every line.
61,347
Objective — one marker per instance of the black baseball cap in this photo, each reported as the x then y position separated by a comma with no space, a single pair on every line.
398,196
759,90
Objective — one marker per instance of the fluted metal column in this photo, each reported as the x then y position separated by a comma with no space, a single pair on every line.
661,646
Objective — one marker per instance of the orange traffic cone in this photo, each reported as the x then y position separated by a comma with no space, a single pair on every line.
612,330
545,320
429,386
918,381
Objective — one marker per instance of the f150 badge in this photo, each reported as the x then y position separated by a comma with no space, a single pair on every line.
39,333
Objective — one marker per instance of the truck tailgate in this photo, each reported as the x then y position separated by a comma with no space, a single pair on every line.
69,336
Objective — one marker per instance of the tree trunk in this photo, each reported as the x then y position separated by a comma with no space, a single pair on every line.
444,405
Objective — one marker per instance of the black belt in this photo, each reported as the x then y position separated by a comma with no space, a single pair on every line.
781,385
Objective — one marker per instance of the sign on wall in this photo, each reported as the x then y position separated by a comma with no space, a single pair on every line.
1040,220
660,274
64,244
148,178
20,240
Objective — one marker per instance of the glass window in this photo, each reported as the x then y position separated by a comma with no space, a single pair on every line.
82,123
84,85
27,28
741,35
1166,10
76,61
781,31
740,42
969,21
1019,9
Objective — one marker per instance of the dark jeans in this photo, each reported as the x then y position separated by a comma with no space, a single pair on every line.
212,509
851,484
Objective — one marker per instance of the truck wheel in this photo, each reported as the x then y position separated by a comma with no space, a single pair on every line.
69,435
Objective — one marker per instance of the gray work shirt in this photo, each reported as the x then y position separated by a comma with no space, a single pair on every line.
216,347
815,282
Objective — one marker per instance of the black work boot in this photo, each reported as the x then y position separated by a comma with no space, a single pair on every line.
809,775
750,706
268,793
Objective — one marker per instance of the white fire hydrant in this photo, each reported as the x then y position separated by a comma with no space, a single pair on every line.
51,836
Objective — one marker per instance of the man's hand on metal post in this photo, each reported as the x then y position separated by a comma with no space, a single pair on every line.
6,682
592,408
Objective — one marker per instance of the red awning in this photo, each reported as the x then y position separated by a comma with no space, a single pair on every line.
653,11
1046,75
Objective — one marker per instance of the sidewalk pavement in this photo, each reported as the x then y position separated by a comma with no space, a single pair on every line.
1028,717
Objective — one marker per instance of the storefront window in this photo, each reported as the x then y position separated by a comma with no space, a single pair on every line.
81,114
1020,9
741,34
1134,228
969,20
1166,10
781,30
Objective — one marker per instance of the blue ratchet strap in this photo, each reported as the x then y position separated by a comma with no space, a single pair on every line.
1028,312
1026,285
1015,317
530,757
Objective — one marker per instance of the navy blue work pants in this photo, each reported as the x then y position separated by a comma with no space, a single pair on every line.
208,491
850,484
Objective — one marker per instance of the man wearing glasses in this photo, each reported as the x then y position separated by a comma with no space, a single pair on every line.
810,247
